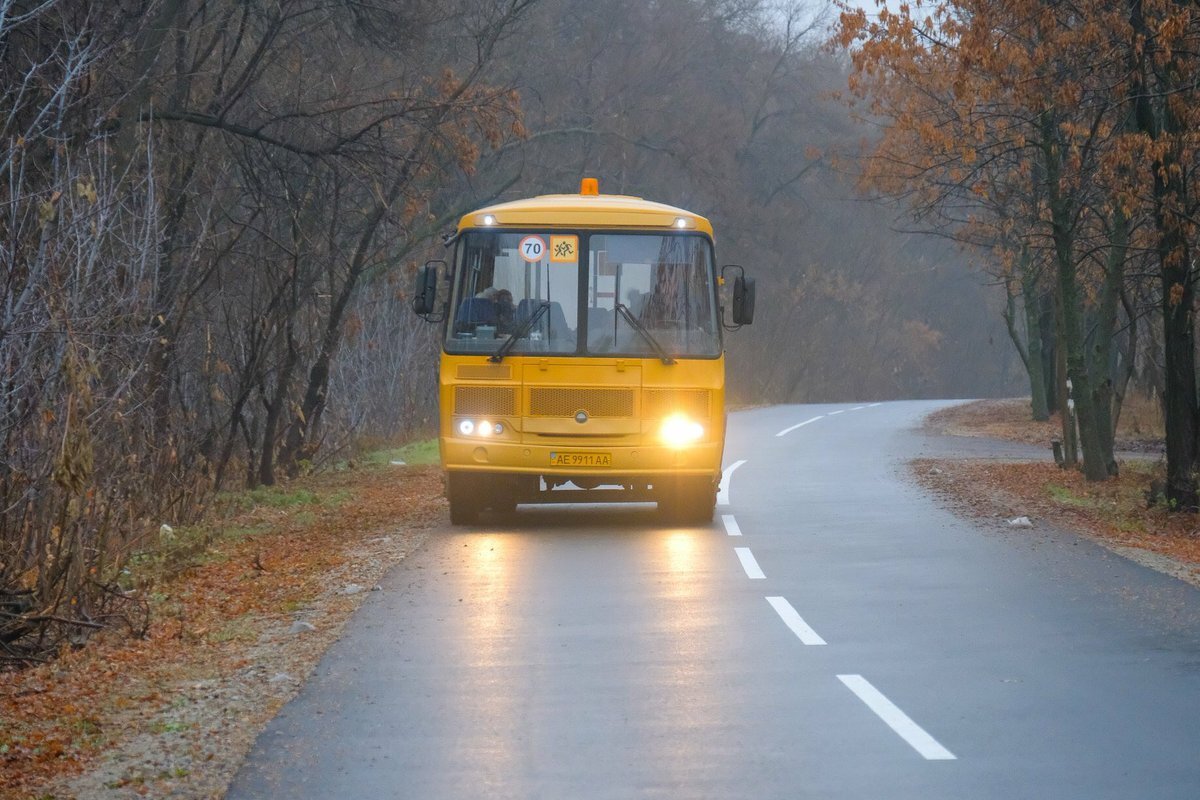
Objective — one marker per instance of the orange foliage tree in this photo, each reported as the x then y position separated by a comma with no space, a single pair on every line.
1019,126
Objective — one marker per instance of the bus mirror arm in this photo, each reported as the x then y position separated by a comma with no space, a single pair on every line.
519,334
624,311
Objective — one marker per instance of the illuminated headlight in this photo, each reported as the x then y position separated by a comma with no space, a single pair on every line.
679,431
482,428
487,219
683,222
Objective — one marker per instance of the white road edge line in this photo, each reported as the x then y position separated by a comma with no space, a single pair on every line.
723,491
731,526
872,405
896,719
786,431
753,571
835,413
794,621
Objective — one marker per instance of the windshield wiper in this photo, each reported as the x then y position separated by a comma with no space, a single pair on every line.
520,333
624,311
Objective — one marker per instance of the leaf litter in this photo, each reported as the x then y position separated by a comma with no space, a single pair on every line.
234,635
1121,513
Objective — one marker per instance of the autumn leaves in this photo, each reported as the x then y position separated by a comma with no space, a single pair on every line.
1058,142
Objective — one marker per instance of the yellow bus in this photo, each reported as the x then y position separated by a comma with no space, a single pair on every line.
582,354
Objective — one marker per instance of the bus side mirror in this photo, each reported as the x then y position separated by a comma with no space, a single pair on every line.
743,300
425,294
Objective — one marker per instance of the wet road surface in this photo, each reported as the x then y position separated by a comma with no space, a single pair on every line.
833,633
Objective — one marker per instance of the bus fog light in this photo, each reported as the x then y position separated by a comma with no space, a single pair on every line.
485,428
679,431
466,427
498,429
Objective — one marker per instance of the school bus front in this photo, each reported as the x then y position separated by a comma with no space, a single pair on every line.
582,357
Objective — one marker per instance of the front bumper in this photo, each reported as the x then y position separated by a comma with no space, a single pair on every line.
471,455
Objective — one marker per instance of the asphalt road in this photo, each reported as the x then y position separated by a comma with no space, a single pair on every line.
853,640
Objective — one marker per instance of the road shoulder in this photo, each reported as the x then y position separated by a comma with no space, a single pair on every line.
991,482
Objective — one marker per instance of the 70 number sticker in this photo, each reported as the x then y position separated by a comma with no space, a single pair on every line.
532,248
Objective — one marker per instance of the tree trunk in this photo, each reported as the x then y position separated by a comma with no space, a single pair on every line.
1030,349
1175,267
1128,358
266,469
1047,323
1095,460
1061,393
1101,363
1033,336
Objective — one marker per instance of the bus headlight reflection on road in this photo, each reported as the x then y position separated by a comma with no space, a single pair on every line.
679,431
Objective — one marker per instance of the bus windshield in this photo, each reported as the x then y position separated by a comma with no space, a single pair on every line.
665,283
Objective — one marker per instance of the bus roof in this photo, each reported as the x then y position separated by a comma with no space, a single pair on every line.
586,210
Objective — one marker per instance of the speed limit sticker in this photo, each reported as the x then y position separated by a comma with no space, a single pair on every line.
532,248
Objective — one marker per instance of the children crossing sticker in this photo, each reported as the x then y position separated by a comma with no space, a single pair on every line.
564,249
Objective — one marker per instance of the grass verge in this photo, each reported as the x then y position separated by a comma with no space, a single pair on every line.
172,713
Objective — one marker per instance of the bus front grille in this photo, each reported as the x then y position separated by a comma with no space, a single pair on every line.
565,402
484,372
486,400
659,403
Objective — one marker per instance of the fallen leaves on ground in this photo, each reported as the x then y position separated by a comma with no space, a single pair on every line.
173,713
1120,513
1114,512
1139,428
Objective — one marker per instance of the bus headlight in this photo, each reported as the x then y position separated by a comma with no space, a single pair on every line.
483,427
679,431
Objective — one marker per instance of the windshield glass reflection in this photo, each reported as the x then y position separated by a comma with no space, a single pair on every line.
662,284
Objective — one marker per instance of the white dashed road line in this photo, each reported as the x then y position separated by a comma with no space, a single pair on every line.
723,491
753,571
786,431
903,725
896,719
794,621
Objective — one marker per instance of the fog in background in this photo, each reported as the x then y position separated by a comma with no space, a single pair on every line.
732,110
211,213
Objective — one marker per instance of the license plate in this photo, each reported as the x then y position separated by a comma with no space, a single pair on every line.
581,459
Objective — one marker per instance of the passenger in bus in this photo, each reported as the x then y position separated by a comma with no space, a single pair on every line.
505,312
477,310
